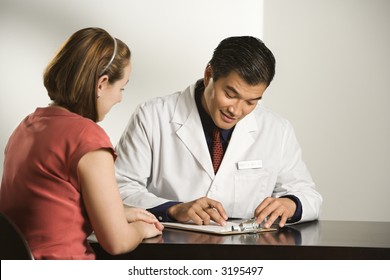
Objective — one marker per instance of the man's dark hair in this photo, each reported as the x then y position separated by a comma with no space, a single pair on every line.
246,55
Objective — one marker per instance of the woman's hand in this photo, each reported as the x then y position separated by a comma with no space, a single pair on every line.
134,214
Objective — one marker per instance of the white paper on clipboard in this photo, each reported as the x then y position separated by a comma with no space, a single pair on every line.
214,228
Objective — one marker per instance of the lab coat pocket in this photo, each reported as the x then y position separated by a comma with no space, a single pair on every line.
250,188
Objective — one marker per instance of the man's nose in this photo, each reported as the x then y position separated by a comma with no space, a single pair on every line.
235,108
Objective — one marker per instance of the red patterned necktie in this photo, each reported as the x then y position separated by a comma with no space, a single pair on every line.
217,150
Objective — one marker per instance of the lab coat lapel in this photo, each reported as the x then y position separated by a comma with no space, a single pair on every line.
241,139
191,131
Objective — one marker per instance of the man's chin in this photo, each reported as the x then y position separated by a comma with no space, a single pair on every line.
224,125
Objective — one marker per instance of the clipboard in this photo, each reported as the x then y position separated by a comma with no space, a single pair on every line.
231,228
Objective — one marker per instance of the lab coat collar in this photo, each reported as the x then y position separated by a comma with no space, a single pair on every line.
191,133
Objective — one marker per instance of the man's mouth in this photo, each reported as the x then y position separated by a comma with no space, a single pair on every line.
227,118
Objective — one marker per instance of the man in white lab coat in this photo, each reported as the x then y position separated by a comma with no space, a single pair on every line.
166,160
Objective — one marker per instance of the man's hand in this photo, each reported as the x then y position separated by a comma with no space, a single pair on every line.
273,208
201,211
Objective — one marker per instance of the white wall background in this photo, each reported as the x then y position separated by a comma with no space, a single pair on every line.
332,83
171,43
332,68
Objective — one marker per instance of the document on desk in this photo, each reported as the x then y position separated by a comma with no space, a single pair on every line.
232,227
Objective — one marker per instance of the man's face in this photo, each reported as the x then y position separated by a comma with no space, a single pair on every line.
229,99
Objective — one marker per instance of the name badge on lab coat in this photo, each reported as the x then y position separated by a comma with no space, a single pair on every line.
250,164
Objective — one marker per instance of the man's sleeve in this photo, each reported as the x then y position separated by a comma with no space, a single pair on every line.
161,211
298,211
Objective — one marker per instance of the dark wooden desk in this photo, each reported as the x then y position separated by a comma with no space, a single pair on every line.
319,240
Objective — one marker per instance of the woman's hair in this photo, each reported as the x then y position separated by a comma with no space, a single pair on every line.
246,55
72,76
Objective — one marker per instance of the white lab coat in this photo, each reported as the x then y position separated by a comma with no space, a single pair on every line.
163,156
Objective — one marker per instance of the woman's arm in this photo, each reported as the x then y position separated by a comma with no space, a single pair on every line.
104,205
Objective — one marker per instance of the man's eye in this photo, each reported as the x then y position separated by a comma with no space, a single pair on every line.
228,95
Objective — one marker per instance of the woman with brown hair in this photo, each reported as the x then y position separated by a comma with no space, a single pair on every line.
58,180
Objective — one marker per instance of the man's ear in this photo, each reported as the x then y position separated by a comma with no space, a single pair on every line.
101,85
208,75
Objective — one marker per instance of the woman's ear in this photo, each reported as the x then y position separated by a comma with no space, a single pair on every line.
101,86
